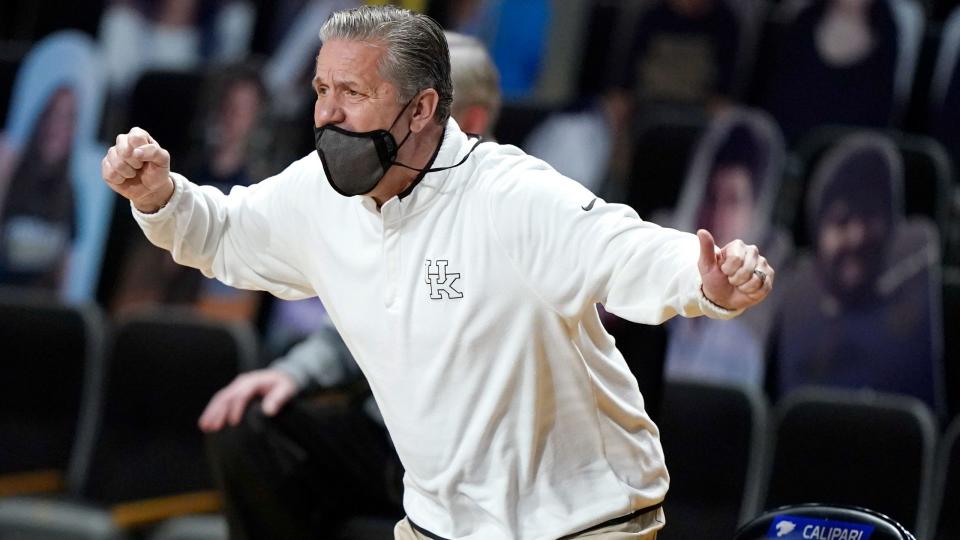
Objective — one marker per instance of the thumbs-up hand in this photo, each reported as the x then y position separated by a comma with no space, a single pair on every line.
734,277
139,169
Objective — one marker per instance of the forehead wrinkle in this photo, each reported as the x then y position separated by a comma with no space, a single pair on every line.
349,58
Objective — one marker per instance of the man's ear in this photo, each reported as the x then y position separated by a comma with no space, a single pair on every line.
425,105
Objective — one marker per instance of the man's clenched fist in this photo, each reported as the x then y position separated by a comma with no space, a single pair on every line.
139,169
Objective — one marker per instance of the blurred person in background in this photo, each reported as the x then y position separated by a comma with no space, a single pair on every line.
836,62
37,213
581,142
516,32
292,52
482,343
323,457
476,85
139,35
864,310
730,189
54,212
684,52
234,103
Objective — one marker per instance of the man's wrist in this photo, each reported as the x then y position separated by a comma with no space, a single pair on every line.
714,310
154,202
712,303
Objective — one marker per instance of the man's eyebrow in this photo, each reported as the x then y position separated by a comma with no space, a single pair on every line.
343,79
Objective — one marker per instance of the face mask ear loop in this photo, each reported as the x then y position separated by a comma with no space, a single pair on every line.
409,132
438,169
399,114
395,120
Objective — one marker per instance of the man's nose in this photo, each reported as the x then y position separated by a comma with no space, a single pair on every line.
327,111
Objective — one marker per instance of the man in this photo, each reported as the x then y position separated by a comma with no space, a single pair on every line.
463,278
476,85
322,460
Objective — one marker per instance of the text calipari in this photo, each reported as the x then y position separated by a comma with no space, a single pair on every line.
441,281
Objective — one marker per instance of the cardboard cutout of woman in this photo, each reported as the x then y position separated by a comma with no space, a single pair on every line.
54,210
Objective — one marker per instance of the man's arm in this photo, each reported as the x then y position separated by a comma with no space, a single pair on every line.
320,360
575,250
242,239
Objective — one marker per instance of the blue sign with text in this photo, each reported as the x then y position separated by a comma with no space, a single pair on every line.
786,527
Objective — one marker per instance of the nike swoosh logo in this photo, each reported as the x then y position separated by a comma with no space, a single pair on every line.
589,207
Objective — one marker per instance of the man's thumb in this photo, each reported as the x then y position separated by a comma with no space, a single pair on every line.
708,251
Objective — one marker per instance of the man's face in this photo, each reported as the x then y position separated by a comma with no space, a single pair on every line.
850,249
350,91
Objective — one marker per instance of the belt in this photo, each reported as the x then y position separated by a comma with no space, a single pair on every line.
609,523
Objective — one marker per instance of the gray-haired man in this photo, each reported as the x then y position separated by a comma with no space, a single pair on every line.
318,459
463,278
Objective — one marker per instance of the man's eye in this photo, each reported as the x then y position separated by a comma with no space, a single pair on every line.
353,93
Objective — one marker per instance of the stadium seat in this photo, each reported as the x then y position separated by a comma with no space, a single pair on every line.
198,527
50,350
857,448
145,461
664,140
686,55
600,40
163,370
166,104
951,342
946,515
518,120
713,437
927,175
11,55
943,114
822,521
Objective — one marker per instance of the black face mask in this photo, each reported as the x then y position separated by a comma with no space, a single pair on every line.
356,162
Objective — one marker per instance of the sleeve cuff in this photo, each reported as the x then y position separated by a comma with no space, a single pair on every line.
712,310
299,376
167,209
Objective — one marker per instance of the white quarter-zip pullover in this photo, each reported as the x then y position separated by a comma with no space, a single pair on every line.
470,306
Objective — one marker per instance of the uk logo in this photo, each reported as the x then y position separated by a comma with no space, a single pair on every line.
441,281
